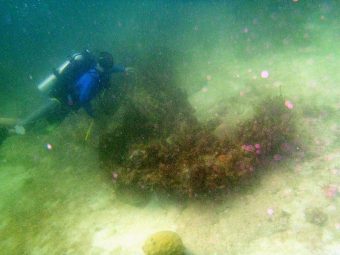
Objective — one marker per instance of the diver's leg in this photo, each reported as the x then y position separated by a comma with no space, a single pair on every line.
7,122
5,125
3,134
40,113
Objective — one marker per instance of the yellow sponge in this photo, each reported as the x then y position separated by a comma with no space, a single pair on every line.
164,243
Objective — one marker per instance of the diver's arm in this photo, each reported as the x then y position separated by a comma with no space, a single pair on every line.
122,69
118,69
130,70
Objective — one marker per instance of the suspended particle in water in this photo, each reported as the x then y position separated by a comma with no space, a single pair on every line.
8,19
335,171
287,192
286,147
264,74
337,226
208,77
114,177
270,212
277,157
289,104
205,90
329,158
258,148
49,146
331,191
248,147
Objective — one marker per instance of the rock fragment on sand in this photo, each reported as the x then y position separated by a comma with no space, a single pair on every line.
316,216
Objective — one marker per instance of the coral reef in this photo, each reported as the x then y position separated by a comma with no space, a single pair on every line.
189,163
164,243
155,143
192,162
272,128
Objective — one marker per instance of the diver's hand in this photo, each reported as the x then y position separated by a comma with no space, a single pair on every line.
130,70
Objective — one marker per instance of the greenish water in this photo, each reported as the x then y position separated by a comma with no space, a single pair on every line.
61,201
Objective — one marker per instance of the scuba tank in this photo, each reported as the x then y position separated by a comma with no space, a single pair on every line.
67,73
47,84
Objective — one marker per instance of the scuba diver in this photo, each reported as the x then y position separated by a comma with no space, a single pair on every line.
74,84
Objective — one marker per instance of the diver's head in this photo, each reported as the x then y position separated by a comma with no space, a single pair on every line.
105,60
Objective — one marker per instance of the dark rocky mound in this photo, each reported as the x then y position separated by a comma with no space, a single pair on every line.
157,145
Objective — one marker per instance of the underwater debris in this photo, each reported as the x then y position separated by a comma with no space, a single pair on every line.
164,243
331,191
